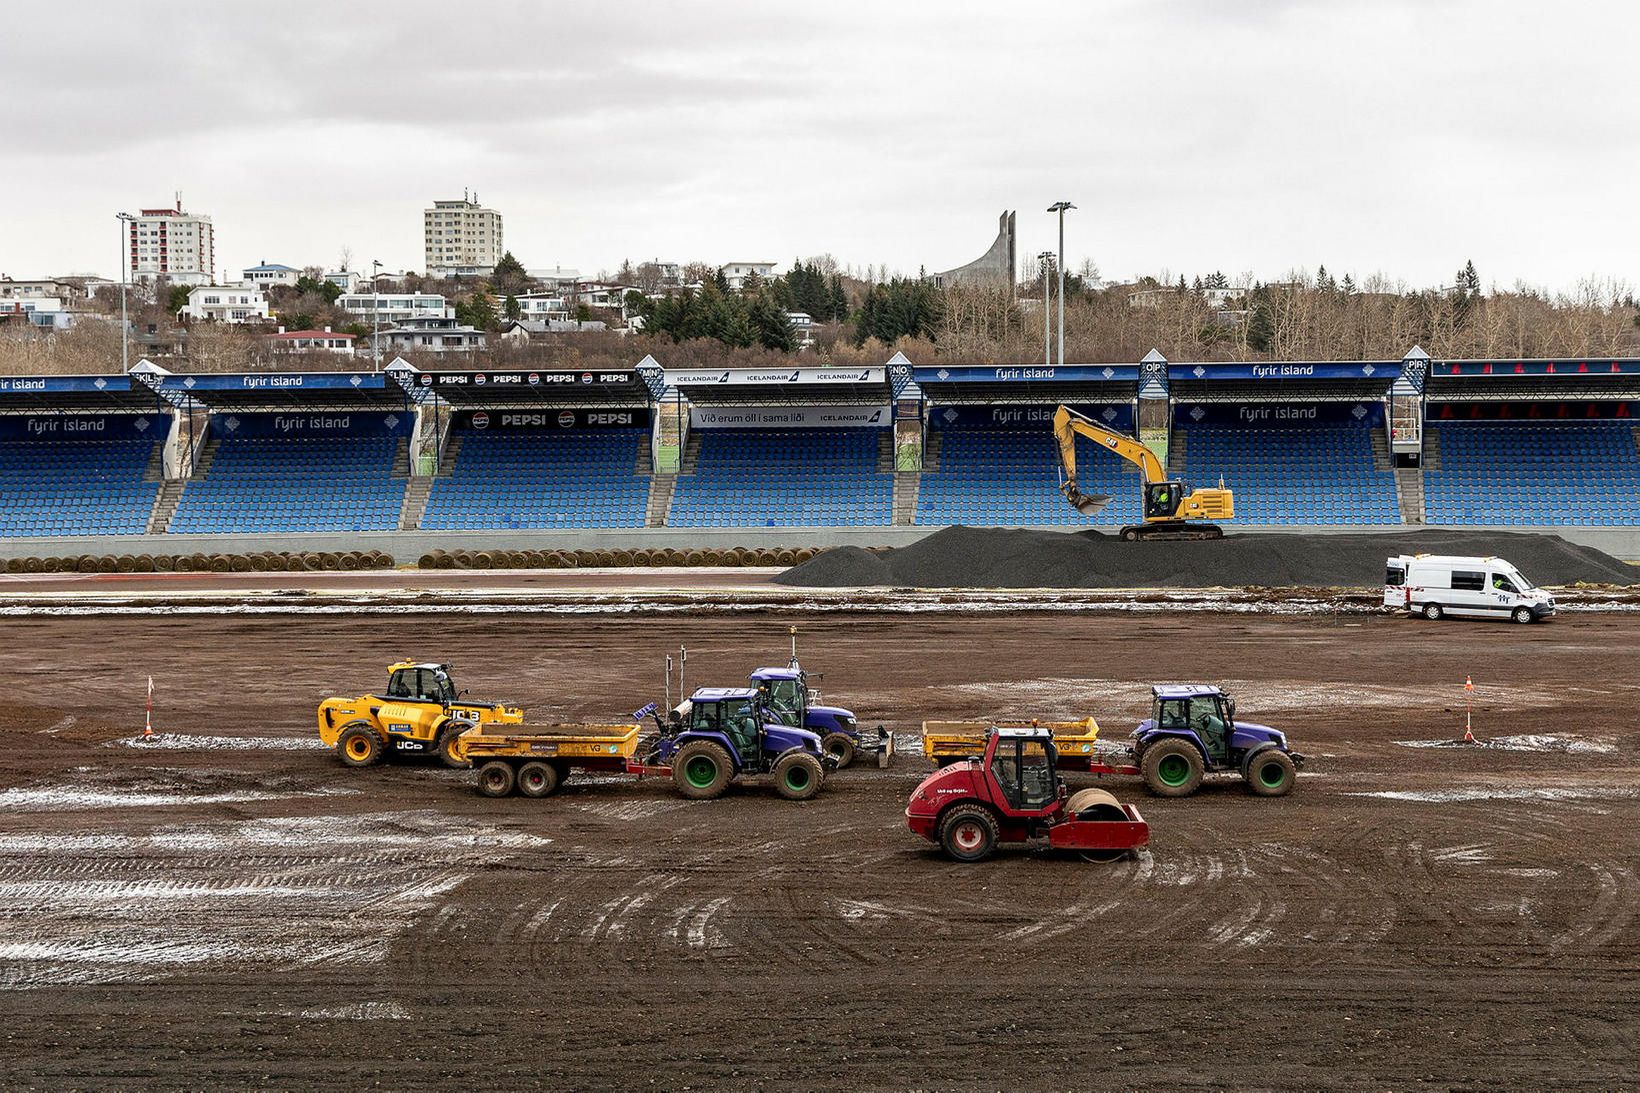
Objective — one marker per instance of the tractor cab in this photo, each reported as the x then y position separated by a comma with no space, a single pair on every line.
1207,712
783,694
407,682
730,711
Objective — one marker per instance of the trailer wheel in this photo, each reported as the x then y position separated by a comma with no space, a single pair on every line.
1433,612
1269,773
359,746
702,770
1172,768
798,776
1522,615
496,778
841,745
537,779
446,742
968,833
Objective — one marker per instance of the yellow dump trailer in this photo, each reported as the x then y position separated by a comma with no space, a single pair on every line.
947,741
535,759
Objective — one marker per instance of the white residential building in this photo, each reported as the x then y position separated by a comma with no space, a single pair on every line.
736,273
312,341
345,279
463,238
432,336
602,294
540,305
226,304
45,288
396,307
557,279
267,274
802,327
172,244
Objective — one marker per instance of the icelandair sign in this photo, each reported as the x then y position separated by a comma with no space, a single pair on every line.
788,417
695,377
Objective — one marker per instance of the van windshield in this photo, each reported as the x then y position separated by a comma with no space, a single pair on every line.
1520,580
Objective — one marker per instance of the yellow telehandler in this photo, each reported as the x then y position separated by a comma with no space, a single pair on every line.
1168,505
421,713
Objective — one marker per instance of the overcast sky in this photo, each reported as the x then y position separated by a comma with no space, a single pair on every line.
1248,135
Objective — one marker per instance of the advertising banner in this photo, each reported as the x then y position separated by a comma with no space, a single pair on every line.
1387,371
1112,415
534,421
1532,411
557,378
63,384
1620,367
1028,373
312,423
772,377
788,417
84,426
275,381
1277,414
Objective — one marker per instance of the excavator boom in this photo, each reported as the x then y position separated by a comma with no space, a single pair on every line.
1067,423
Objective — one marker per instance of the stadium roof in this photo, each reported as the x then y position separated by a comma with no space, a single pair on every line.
75,394
1028,383
497,388
272,392
1282,381
793,386
1526,379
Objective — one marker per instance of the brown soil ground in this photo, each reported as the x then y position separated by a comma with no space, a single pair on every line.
257,916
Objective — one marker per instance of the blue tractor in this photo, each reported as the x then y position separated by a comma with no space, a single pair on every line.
789,700
1192,732
719,734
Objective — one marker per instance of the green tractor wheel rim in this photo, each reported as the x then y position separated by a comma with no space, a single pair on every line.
1173,770
1271,775
700,771
797,777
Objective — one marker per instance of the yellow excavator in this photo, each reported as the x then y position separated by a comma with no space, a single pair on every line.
1169,505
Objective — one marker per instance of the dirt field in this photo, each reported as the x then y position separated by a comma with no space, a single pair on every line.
229,907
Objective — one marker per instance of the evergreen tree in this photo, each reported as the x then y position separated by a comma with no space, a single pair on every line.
511,309
838,311
509,276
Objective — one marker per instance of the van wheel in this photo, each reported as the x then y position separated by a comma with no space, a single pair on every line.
1522,615
1433,612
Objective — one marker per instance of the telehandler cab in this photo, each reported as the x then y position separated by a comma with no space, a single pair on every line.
421,713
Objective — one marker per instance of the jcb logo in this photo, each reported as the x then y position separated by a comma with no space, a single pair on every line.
410,745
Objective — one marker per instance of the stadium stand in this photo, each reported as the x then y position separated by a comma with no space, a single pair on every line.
580,479
1571,473
60,487
267,484
785,478
1010,476
1292,474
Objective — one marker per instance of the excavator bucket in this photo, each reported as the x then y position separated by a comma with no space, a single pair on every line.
1085,503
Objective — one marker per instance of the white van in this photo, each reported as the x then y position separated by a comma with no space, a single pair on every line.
1436,585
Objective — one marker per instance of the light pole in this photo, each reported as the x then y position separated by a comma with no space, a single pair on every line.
125,257
1060,207
1046,258
376,312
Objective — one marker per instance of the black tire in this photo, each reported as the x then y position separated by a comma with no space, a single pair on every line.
702,770
1521,615
968,833
1172,768
446,741
537,779
496,778
360,745
840,744
798,775
1433,612
1269,773
1130,535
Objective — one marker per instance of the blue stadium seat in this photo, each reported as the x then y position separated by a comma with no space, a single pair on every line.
580,479
59,487
785,478
1010,476
271,485
1292,474
1543,473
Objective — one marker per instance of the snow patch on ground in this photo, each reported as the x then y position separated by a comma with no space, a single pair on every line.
92,907
358,1011
177,741
1502,793
1522,742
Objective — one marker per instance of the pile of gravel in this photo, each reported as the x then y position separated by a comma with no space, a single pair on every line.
962,557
